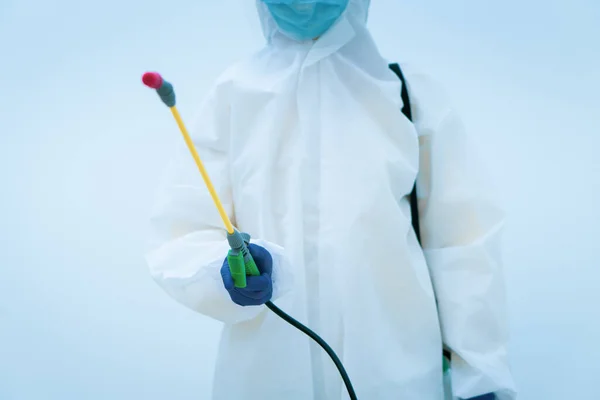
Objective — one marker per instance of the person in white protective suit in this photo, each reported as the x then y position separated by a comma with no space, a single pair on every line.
309,152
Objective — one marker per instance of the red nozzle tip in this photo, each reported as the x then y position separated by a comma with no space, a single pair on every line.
152,80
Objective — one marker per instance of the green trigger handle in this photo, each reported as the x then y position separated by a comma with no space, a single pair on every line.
239,258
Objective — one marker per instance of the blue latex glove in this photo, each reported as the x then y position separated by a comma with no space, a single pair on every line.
489,396
259,289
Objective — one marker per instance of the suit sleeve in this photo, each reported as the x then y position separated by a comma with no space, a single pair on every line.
461,229
188,239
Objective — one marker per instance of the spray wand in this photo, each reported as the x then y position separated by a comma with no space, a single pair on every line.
239,258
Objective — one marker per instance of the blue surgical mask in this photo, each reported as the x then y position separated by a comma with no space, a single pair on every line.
305,19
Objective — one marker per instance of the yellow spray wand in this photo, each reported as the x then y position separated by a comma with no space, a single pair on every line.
239,258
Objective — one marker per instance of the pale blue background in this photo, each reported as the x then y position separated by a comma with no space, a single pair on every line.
81,143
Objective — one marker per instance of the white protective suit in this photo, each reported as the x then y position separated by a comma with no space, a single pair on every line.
311,155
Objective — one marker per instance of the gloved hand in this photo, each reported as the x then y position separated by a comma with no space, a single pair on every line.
259,289
489,396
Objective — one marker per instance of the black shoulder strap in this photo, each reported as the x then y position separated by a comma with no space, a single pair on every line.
405,99
414,205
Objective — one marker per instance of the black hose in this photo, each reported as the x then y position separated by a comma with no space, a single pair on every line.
321,343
